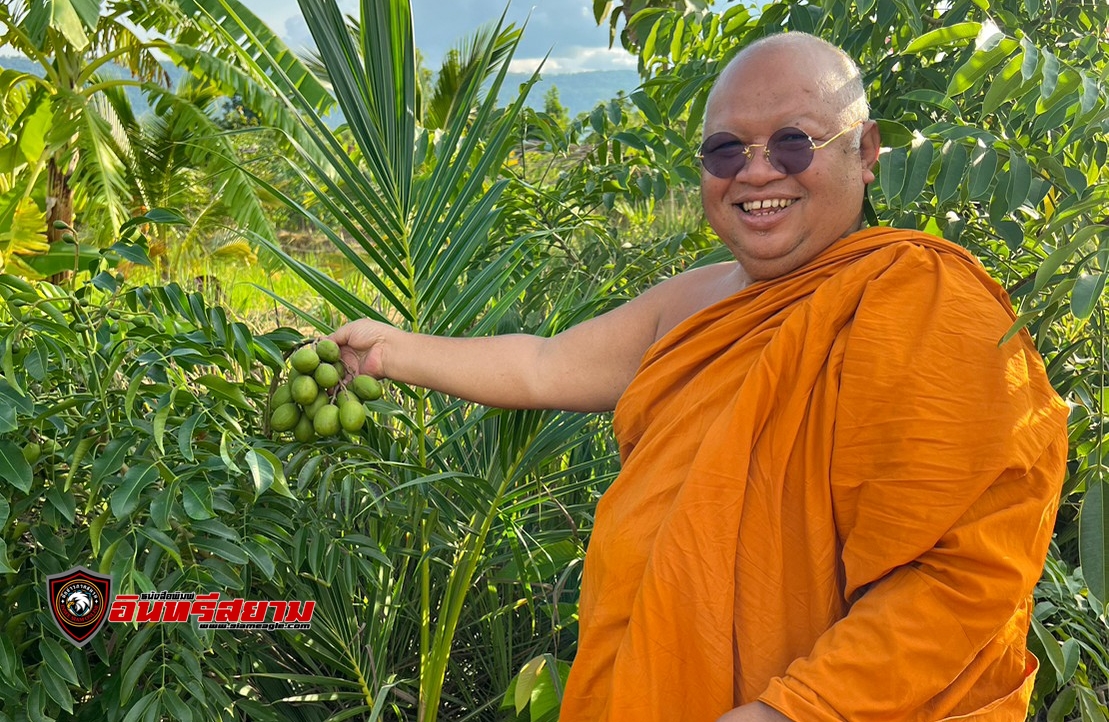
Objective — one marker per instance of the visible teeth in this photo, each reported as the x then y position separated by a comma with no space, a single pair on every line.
769,203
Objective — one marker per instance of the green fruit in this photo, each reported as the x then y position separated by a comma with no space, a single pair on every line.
285,417
281,396
32,452
344,396
340,367
311,409
61,225
305,360
352,416
303,431
305,390
326,376
367,387
328,351
326,422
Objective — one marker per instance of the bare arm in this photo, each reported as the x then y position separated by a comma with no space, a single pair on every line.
754,712
584,368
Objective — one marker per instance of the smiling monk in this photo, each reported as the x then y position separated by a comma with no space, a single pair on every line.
837,488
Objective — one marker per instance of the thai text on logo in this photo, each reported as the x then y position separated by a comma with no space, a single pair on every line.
210,612
78,600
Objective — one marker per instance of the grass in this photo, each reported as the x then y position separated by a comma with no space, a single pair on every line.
240,286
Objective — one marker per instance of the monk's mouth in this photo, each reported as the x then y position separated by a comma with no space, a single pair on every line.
766,207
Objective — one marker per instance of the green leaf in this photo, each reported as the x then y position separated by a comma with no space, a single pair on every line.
1072,655
546,696
133,252
131,676
143,706
223,549
56,688
5,510
64,502
944,36
96,528
1030,59
5,565
176,707
894,135
162,539
158,426
111,458
1051,647
647,106
1020,181
57,659
983,166
976,67
1005,86
1063,705
1051,75
525,682
8,658
224,389
1050,265
197,499
891,174
278,481
920,164
1093,531
161,216
63,257
262,470
597,120
14,469
1012,232
1090,94
125,499
70,18
185,436
1085,296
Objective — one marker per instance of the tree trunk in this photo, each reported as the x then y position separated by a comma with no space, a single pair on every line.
59,207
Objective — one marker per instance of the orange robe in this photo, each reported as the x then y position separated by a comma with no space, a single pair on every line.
837,494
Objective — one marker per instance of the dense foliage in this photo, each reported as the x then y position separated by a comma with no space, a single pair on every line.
442,546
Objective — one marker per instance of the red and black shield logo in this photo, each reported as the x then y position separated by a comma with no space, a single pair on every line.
79,602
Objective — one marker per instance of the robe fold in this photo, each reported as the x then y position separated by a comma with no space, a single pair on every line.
837,493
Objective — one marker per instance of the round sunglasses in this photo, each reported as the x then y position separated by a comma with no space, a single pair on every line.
789,151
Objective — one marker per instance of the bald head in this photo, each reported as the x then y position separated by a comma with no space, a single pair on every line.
835,73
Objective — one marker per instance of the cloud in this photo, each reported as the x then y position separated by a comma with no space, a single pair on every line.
296,34
564,28
577,60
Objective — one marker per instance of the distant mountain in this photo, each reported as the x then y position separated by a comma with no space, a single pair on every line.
578,92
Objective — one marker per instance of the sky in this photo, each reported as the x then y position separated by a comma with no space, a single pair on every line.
565,28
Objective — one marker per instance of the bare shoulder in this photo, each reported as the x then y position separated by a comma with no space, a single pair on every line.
698,288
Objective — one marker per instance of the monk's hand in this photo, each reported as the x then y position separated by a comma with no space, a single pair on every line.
754,712
362,346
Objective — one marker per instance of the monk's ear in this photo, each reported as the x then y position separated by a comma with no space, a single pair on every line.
869,147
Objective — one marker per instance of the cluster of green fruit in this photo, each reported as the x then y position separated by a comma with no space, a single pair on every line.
315,401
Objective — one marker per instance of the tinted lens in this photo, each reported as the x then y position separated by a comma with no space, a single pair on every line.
791,150
723,155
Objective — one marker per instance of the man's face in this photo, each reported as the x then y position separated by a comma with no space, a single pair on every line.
771,89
